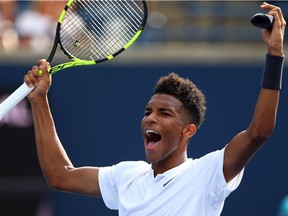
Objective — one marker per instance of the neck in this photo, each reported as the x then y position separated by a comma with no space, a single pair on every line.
163,166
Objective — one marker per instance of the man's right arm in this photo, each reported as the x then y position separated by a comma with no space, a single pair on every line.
56,166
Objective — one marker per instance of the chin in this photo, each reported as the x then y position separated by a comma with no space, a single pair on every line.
151,159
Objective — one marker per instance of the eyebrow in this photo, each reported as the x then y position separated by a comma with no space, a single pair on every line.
161,109
164,109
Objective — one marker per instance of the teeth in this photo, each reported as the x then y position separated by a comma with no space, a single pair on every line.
148,132
152,136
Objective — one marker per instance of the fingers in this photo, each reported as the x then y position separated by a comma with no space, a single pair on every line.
274,37
44,70
32,77
274,11
37,73
41,62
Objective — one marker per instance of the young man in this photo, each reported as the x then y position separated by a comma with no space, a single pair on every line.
171,184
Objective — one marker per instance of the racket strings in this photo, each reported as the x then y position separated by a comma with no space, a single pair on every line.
92,30
88,39
71,34
115,29
110,28
107,33
114,32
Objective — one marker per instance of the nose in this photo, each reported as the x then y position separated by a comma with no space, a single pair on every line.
151,118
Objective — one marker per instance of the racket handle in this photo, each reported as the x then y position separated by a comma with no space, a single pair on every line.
17,96
261,20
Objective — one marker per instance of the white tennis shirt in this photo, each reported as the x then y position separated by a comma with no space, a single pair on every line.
195,188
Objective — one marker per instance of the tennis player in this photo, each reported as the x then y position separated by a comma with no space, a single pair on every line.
170,183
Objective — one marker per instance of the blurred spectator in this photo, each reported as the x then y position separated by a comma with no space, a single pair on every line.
25,24
156,18
37,24
7,9
8,34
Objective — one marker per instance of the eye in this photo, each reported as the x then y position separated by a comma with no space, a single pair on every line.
147,113
165,114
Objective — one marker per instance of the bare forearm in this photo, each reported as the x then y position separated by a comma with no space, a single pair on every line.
52,156
265,114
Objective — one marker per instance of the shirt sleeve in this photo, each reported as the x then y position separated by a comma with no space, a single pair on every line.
108,186
219,189
112,178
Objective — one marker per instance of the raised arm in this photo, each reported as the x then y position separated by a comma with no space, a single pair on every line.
244,145
57,168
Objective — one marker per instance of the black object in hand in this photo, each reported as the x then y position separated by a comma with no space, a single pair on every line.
261,20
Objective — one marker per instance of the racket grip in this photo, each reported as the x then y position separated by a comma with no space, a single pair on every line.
17,96
261,20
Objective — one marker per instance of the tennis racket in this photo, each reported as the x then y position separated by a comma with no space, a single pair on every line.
90,32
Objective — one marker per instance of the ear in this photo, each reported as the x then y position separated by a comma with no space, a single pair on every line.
190,130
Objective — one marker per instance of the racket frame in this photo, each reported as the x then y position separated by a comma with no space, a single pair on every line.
78,62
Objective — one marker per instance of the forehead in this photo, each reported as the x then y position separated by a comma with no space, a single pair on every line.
164,100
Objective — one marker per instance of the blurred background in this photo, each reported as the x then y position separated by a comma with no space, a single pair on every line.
98,109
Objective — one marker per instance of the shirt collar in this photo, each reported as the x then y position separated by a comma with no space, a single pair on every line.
170,172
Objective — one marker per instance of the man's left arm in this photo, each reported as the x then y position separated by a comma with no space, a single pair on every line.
245,144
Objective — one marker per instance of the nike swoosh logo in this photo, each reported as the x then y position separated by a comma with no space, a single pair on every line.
168,182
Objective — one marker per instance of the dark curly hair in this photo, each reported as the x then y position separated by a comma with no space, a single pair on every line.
192,98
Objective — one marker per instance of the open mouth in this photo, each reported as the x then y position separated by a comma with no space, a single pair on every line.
152,136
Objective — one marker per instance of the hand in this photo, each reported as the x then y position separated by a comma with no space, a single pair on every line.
41,81
274,38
